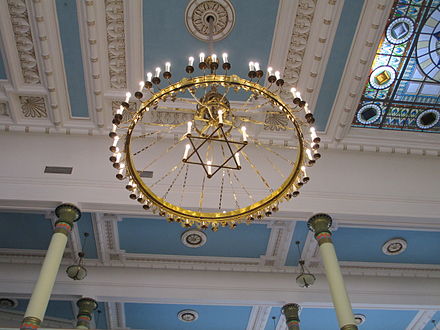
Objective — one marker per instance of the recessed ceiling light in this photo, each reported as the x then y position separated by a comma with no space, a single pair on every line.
194,238
188,315
394,246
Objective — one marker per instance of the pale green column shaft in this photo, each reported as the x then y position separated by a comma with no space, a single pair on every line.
43,288
336,284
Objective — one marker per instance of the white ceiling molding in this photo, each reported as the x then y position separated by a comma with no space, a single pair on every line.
258,318
421,320
115,315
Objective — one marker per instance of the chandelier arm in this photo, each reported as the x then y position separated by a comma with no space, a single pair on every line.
234,195
161,155
243,187
202,194
276,168
272,151
165,175
184,185
221,190
174,181
257,171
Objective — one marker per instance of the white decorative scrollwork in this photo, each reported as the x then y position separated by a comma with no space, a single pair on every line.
301,31
114,10
33,106
24,41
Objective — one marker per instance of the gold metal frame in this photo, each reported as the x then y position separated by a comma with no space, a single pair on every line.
236,215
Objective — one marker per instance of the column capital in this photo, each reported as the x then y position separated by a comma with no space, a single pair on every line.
291,312
86,307
30,323
349,327
68,213
320,223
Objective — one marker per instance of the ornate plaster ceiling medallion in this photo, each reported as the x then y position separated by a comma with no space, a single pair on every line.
8,302
394,246
193,238
359,319
198,13
188,315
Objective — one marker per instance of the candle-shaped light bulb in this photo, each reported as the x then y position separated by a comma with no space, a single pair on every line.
277,75
309,154
313,132
237,158
141,85
114,128
120,110
220,116
149,76
269,71
167,67
115,141
243,130
293,91
187,147
118,156
214,57
257,66
209,163
127,96
202,57
190,61
225,57
298,95
306,108
251,66
189,126
157,72
303,169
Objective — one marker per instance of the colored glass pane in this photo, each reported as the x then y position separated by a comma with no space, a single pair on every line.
403,89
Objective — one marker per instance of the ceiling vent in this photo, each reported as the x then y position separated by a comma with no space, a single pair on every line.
146,174
58,170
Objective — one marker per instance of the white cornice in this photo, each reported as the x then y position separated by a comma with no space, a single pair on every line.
258,317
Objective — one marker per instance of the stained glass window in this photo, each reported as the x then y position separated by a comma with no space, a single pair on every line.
403,89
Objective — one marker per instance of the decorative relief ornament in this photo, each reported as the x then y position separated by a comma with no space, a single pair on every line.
33,106
24,42
193,238
394,246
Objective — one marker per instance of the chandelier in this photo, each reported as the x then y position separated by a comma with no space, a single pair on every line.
212,142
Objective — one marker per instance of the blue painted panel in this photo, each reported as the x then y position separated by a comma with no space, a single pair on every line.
319,319
366,245
275,312
385,319
3,75
100,317
159,237
167,39
56,308
164,317
73,63
85,226
336,63
24,231
430,325
299,234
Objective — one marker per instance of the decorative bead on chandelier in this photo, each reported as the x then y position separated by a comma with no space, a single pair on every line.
213,149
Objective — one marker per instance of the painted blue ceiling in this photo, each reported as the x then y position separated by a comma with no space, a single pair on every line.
156,236
430,325
299,234
366,245
73,61
325,318
164,317
167,39
336,63
85,226
24,231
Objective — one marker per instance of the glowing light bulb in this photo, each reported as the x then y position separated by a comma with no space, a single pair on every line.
309,154
313,133
167,66
120,110
118,156
225,57
243,130
209,163
257,66
157,72
303,169
127,96
141,85
298,95
269,71
149,76
277,74
185,154
220,116
251,66
293,91
189,126
202,57
237,158
306,108
114,128
115,141
190,61
214,57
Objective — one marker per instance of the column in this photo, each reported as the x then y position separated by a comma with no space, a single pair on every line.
291,312
67,214
320,224
85,313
